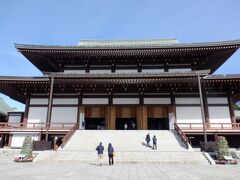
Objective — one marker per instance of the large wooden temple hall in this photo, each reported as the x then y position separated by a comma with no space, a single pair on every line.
124,84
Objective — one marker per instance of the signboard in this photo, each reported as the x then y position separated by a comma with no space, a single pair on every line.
171,118
82,122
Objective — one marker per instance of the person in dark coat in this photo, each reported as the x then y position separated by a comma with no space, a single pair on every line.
100,150
154,142
110,154
148,139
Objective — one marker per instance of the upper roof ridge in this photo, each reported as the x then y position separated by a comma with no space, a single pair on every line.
140,42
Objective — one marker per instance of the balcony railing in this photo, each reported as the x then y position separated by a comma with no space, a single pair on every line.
209,126
36,126
182,135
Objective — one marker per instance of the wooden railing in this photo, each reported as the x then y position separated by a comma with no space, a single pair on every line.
209,126
36,126
68,136
182,135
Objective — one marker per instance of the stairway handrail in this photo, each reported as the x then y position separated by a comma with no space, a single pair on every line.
182,135
68,136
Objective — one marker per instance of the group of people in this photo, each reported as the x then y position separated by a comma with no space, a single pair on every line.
131,126
100,149
154,140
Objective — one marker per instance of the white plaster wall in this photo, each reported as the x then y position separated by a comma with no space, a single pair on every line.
179,70
65,101
217,100
18,138
100,71
189,115
126,70
74,71
125,101
219,114
157,101
95,101
39,101
14,119
187,100
64,115
37,115
153,70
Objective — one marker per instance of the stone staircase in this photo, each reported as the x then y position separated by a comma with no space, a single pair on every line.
129,147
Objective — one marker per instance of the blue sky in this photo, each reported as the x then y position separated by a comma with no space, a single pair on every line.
65,22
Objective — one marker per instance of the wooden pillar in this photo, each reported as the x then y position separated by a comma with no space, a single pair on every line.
145,118
49,111
107,116
202,109
25,116
172,109
78,113
82,110
231,109
112,119
206,110
10,140
141,116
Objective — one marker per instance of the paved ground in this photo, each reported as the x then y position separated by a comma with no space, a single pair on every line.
69,171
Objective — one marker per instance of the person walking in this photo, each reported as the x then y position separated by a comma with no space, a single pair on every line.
148,139
100,149
110,154
55,145
154,142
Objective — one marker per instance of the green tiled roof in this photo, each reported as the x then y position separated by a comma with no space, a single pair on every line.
128,43
4,107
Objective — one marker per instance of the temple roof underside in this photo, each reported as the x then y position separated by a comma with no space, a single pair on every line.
19,88
198,56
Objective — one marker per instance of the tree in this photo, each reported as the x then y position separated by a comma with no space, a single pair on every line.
222,148
27,147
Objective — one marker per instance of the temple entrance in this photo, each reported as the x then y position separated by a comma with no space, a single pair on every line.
126,118
94,118
158,124
126,123
158,118
95,123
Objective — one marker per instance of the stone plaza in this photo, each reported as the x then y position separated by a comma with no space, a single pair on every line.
37,171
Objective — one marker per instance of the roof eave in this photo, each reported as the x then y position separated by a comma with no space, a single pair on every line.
235,43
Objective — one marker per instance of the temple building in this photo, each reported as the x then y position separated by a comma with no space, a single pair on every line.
125,84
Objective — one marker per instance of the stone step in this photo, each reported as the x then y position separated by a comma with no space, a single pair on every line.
129,146
170,157
122,140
